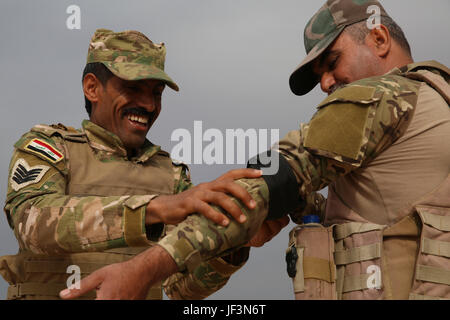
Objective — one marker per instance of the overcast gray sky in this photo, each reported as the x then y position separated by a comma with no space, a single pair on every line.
232,60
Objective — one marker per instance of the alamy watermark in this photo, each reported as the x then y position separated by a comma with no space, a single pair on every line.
73,21
374,21
232,146
73,281
374,280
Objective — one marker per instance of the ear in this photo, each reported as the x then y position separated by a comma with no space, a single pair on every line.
379,40
92,87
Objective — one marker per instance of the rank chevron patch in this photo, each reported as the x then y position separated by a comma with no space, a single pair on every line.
45,150
24,175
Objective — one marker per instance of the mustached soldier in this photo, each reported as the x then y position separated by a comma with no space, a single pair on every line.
379,141
88,198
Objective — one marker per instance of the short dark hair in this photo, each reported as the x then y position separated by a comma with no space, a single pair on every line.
103,75
358,31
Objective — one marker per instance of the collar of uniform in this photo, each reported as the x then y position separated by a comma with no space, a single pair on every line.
431,65
103,140
147,151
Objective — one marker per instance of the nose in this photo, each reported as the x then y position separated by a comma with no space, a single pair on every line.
146,100
327,80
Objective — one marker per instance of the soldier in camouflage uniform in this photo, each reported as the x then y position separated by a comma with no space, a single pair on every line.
379,141
87,198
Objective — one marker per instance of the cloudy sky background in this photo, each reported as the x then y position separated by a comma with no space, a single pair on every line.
231,59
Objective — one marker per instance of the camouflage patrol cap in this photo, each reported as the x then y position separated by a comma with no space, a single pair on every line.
322,29
129,55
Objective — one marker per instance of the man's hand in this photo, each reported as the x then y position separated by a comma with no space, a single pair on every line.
129,280
172,209
268,230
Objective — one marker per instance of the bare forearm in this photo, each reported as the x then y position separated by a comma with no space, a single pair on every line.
155,265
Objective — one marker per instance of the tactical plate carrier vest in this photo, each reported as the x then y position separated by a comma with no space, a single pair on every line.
42,277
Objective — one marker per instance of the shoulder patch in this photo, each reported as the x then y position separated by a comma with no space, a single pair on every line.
23,174
353,93
43,149
339,129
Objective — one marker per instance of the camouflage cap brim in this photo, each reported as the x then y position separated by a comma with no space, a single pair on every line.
303,79
138,71
323,28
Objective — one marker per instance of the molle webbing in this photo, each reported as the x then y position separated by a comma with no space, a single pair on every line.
439,222
436,247
35,266
344,235
51,290
415,296
315,272
357,254
433,263
433,274
345,230
39,289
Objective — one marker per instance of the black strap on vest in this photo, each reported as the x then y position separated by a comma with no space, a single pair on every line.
281,181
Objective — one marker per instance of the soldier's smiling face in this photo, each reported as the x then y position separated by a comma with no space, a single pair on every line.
128,109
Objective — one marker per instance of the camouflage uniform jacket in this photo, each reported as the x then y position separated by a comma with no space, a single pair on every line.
50,216
352,127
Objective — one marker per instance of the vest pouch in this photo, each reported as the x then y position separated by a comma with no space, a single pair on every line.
42,277
310,262
432,273
358,250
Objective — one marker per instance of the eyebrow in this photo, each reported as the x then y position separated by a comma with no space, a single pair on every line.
142,82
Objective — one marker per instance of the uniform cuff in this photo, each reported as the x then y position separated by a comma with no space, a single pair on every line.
182,252
237,258
229,264
134,220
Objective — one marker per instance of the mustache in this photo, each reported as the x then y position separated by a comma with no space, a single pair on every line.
335,87
139,111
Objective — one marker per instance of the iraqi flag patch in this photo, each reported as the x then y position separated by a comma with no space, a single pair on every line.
44,150
23,174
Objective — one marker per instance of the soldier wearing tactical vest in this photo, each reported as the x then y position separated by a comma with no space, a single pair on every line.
83,199
379,141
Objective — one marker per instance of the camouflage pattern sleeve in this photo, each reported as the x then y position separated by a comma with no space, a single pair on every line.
182,177
47,220
198,239
361,120
204,280
208,277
